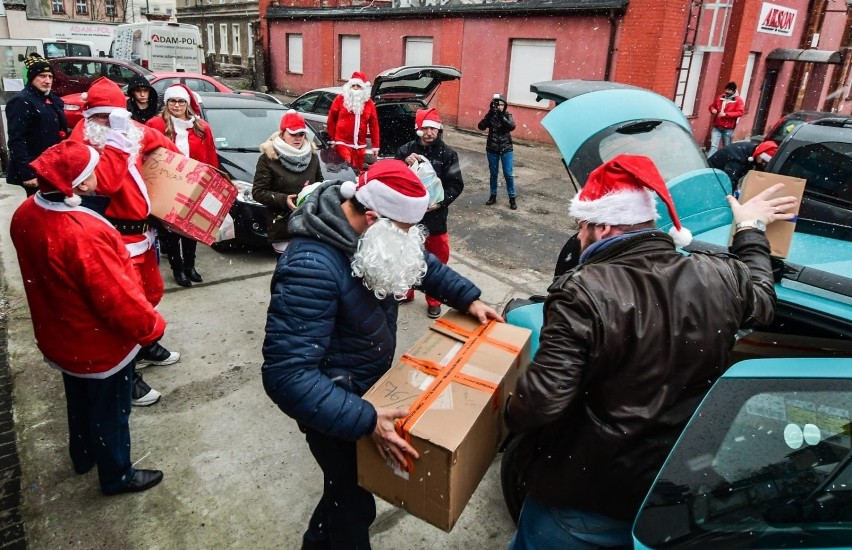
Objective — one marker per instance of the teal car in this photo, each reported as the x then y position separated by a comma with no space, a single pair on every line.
799,363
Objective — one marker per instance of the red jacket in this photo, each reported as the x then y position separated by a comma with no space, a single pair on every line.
88,309
202,149
347,128
728,111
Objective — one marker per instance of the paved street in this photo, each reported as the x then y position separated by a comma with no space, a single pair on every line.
237,471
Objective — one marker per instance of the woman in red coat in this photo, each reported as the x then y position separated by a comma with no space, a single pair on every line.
181,123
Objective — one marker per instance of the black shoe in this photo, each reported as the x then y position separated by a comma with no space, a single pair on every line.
84,468
142,394
181,278
512,204
491,200
433,312
142,481
193,275
155,354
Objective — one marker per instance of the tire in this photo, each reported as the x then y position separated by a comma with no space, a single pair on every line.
511,478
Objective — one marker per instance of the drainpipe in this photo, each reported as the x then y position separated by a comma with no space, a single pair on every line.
610,52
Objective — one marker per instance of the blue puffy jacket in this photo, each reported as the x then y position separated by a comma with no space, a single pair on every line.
328,338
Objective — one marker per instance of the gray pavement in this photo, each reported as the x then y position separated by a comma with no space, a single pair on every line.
237,470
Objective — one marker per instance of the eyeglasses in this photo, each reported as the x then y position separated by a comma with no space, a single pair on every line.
177,101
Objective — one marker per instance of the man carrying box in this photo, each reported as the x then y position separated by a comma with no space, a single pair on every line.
331,329
106,118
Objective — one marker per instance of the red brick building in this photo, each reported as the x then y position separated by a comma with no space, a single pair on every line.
785,55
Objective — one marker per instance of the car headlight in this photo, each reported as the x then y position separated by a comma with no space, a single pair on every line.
72,107
244,194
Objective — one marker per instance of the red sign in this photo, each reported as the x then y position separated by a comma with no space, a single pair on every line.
776,20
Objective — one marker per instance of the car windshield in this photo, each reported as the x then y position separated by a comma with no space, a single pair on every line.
827,167
245,128
669,145
766,464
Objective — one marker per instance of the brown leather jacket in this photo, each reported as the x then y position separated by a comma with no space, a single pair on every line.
632,340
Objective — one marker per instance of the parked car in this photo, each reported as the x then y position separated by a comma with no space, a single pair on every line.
74,75
788,122
813,318
398,93
196,82
240,124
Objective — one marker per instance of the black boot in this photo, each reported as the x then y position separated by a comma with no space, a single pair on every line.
512,204
491,200
181,278
193,275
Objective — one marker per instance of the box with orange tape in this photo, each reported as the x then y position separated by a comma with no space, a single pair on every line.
454,380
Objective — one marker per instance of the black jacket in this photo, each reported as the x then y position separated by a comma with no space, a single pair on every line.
35,122
733,160
142,115
499,123
445,161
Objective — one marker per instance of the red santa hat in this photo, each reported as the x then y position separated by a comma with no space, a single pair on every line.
427,118
63,167
764,151
103,96
293,123
391,189
621,192
180,91
358,78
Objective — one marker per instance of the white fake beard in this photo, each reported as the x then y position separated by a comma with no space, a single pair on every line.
96,135
389,260
354,100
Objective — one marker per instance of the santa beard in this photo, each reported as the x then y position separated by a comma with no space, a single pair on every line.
390,260
354,100
96,135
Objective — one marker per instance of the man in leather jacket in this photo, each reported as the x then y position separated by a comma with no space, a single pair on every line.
498,147
633,338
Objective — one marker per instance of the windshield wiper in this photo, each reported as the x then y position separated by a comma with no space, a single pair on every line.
240,149
639,127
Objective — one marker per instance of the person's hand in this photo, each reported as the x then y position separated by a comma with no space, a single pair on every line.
291,201
763,207
119,120
714,111
118,140
412,158
375,153
483,312
30,183
388,442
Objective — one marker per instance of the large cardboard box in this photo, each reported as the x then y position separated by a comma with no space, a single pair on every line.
779,233
189,197
455,380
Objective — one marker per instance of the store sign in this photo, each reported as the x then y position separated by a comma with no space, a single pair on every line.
776,20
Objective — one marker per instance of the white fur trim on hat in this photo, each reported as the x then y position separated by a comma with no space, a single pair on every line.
681,238
73,200
347,189
176,92
378,196
105,110
94,157
431,124
623,208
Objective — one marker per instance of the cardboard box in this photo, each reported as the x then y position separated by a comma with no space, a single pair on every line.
456,416
779,233
189,197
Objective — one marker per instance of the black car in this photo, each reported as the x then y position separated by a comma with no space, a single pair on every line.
788,122
240,124
821,153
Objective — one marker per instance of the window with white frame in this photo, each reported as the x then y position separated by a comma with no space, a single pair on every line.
714,24
81,7
531,61
223,38
688,76
418,50
250,39
235,39
294,53
110,7
350,56
748,76
211,38
57,6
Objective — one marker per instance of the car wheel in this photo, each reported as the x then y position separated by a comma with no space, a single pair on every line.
512,477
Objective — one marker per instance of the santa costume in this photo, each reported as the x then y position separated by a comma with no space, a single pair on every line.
89,313
351,114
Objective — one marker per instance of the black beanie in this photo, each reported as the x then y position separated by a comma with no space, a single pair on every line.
36,65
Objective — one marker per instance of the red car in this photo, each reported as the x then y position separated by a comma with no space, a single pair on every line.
196,82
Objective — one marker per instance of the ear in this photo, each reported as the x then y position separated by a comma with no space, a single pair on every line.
372,217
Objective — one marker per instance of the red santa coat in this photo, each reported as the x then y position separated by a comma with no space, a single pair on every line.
88,309
350,129
202,149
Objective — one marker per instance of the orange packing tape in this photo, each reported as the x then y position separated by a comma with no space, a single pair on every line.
446,375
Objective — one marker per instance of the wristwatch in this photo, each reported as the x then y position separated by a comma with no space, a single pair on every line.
753,224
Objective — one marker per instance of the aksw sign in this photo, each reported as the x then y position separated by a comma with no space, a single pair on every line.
776,20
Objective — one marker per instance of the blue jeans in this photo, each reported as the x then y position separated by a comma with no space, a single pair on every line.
719,134
98,426
567,529
507,159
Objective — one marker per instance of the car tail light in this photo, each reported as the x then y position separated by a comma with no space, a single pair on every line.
144,63
204,68
72,107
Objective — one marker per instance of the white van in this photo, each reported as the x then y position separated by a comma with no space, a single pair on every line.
61,47
160,46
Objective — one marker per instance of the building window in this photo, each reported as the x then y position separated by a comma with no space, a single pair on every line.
58,6
688,76
531,61
748,77
223,38
714,25
418,51
250,39
350,56
81,7
211,38
110,7
294,53
235,39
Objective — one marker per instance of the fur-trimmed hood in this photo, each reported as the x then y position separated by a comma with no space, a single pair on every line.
267,149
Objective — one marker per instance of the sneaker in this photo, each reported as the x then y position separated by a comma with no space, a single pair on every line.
143,395
433,312
155,354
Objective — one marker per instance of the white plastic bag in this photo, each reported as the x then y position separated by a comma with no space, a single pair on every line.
226,230
424,170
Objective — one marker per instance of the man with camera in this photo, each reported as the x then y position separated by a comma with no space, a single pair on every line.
499,123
